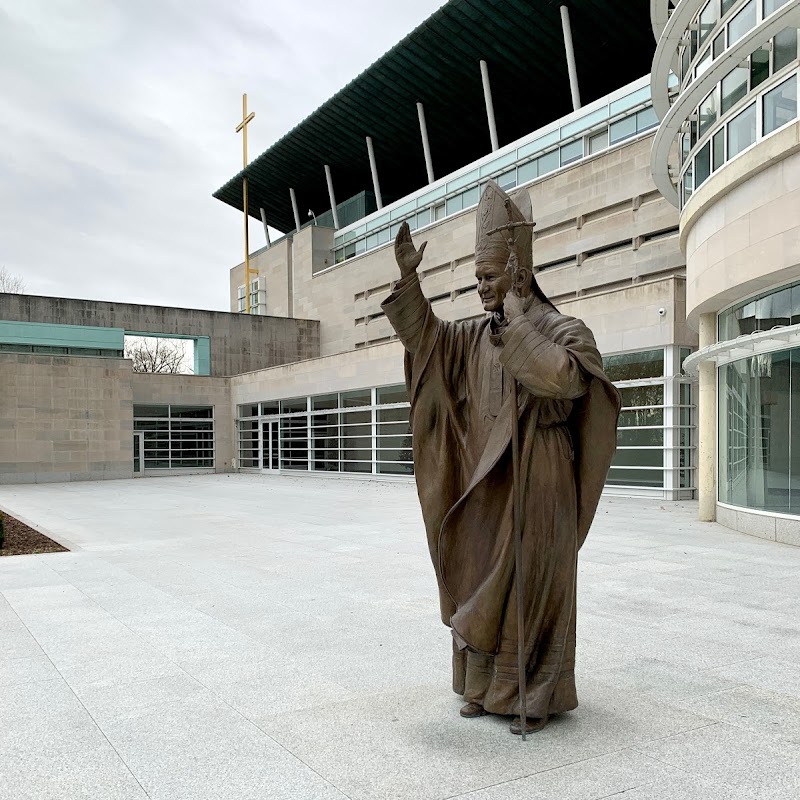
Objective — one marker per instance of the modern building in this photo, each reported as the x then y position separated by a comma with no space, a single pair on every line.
71,408
727,156
552,98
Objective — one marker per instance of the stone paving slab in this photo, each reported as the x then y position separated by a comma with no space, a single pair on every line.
278,637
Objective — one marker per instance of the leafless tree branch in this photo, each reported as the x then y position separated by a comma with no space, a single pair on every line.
12,284
157,355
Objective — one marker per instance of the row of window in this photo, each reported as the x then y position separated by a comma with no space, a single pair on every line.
49,350
367,431
745,19
768,112
761,313
258,298
528,162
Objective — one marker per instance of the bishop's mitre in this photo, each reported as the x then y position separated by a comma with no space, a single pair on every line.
495,211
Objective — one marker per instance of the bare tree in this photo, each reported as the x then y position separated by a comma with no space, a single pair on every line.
151,354
12,284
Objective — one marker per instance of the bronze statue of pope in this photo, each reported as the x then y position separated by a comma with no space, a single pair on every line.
460,376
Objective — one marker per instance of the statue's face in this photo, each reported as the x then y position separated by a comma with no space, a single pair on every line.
494,283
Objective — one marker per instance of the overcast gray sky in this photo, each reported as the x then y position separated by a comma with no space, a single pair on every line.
117,123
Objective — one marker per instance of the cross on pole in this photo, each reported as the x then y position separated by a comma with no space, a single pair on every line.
242,126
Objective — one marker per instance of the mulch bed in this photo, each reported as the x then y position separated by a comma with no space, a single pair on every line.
21,539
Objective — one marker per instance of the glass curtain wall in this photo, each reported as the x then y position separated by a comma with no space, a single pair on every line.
759,412
367,431
176,437
364,431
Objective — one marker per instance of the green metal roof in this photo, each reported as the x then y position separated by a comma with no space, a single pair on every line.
438,65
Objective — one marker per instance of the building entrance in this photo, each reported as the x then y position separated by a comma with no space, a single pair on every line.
269,445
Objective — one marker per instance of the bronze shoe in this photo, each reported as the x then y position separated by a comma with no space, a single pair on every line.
471,710
531,725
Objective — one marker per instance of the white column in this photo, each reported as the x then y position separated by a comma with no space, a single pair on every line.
707,424
487,96
332,197
426,148
374,170
570,50
266,229
294,209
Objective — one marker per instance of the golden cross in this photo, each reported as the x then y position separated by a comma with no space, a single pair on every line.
242,126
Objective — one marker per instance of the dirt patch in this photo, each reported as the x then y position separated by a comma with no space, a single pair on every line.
20,539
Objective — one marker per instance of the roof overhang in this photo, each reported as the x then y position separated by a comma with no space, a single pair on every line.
438,65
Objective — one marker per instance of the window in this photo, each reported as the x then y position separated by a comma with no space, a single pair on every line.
708,113
780,105
742,131
622,129
785,46
773,5
759,67
598,142
719,149
742,23
181,437
702,165
708,19
241,301
734,87
571,152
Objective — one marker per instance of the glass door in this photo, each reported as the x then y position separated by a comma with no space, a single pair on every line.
269,445
138,454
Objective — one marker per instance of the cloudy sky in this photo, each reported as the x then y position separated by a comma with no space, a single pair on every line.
117,123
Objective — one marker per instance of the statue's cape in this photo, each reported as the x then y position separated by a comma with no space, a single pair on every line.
457,519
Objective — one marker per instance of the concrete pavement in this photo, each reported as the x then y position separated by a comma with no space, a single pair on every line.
278,637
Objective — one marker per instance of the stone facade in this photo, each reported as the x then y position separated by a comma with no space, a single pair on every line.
238,343
603,231
65,418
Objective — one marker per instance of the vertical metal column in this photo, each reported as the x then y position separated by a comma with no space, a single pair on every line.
266,229
570,50
374,170
331,197
487,96
294,209
426,147
707,424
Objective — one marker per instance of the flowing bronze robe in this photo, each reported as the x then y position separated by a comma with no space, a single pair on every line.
458,374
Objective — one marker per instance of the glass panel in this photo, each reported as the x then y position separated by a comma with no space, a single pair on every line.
687,183
708,19
719,44
249,410
742,131
646,437
634,366
703,64
453,204
151,411
622,129
759,67
527,172
194,412
785,47
270,408
470,197
360,397
350,466
755,432
598,142
392,394
324,401
506,181
719,148
633,396
548,162
702,165
742,23
571,152
395,469
708,112
464,180
294,405
773,5
424,218
641,417
646,119
734,87
393,415
780,105
727,5
635,477
638,458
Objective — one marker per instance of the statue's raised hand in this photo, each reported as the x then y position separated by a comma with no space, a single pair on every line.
407,256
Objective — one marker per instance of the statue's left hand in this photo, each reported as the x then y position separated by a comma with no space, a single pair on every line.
513,305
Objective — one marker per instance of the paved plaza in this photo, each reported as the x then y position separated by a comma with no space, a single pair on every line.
277,637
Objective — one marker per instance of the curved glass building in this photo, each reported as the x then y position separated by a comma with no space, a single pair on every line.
727,155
